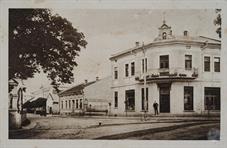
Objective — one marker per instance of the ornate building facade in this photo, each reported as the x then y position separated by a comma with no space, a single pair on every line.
181,73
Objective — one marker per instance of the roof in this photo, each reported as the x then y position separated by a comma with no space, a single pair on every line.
75,90
176,39
164,26
40,102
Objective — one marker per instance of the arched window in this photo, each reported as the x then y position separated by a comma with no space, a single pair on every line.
164,35
185,33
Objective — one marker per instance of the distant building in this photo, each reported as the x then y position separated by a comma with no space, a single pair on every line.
94,96
37,106
51,97
72,99
181,73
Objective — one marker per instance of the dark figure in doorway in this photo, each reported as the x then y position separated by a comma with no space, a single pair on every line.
155,105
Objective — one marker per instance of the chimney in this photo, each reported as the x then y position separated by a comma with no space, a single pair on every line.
185,33
137,43
97,78
85,81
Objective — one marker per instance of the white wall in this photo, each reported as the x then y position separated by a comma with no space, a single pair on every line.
101,89
176,54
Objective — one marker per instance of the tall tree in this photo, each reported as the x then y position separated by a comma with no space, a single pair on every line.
40,40
217,22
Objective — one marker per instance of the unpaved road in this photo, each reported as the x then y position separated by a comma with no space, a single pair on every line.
88,128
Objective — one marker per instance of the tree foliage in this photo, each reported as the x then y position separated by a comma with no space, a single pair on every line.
40,40
217,22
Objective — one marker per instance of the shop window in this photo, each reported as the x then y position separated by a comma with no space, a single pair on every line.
188,98
212,98
130,100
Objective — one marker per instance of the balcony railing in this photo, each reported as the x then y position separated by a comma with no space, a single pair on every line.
175,74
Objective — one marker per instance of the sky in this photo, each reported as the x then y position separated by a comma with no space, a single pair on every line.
108,31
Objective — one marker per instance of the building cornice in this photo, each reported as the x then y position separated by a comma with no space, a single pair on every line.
170,42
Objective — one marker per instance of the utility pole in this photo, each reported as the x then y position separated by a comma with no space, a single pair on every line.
145,82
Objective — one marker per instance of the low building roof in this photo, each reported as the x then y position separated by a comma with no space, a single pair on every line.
75,90
39,102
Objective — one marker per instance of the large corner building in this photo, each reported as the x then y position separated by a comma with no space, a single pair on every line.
181,73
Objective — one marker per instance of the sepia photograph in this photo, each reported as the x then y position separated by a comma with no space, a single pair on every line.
132,74
111,74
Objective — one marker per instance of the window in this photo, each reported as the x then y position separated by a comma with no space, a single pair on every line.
188,62
188,98
66,104
164,35
144,65
81,104
144,102
132,68
206,63
73,103
69,103
126,70
115,73
164,61
77,104
185,33
216,64
130,100
212,98
115,99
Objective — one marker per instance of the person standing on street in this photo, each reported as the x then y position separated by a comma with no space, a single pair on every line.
155,106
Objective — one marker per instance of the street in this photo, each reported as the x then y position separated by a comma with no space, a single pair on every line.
103,127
